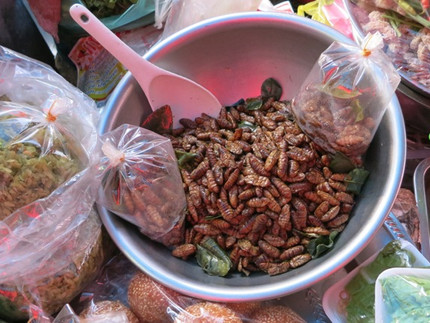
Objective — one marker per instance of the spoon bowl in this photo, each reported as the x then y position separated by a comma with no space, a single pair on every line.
186,98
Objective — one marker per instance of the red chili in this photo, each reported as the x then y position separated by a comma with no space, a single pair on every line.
425,4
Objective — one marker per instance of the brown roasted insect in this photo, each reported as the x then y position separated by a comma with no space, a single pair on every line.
291,252
225,210
211,182
300,260
184,251
263,191
257,165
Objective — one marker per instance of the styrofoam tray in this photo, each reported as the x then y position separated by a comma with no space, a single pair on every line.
335,296
380,308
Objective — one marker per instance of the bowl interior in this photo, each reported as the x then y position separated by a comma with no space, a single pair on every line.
231,56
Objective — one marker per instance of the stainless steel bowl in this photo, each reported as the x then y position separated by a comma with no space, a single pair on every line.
232,55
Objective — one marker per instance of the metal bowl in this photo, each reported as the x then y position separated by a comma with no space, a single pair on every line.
232,55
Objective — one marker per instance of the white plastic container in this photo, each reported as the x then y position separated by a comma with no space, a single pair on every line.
381,310
336,295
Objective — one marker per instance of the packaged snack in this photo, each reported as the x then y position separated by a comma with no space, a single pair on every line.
50,236
121,293
344,97
141,182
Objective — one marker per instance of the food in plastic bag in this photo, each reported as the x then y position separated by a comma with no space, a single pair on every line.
344,97
407,42
50,239
403,295
207,312
48,281
141,182
276,313
108,311
121,288
35,156
360,300
150,300
183,13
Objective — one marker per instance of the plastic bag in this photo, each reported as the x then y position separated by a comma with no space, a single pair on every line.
39,277
344,97
47,132
403,295
141,181
184,13
48,142
407,42
329,12
121,288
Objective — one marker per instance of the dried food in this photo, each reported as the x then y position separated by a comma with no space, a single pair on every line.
344,97
207,312
52,292
25,176
141,182
407,40
107,310
148,299
276,314
254,211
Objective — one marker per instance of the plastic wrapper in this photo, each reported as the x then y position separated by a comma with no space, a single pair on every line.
48,142
407,41
403,295
352,298
329,12
183,13
141,182
344,97
40,279
126,293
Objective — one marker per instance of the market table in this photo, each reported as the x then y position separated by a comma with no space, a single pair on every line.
20,33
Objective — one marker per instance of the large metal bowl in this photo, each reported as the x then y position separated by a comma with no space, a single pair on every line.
232,55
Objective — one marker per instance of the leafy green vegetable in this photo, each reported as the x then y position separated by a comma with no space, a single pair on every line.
236,104
271,89
185,159
358,110
406,298
107,8
341,163
253,104
361,288
212,258
247,124
356,179
316,247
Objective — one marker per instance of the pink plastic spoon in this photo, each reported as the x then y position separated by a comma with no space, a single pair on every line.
186,98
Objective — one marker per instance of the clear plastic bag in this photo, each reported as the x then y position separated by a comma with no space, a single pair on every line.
127,294
141,181
48,142
344,97
403,295
183,13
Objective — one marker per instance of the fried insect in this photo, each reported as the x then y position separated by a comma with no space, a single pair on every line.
260,188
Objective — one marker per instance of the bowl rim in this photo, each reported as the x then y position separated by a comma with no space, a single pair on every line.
295,283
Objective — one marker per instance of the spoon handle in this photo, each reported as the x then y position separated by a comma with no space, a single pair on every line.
142,70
